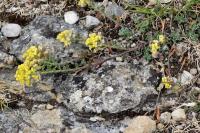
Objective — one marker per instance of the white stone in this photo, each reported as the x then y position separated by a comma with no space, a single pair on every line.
71,17
119,59
91,21
109,89
141,124
49,106
11,30
193,71
186,78
179,115
165,117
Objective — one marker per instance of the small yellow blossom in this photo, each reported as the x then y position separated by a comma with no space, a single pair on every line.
84,3
93,40
154,47
65,37
28,70
167,81
161,39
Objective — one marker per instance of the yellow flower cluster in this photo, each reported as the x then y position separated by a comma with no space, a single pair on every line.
84,3
93,40
155,45
167,81
65,37
28,70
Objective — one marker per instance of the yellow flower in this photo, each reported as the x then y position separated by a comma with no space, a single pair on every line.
154,47
93,40
167,81
65,37
83,3
27,71
161,39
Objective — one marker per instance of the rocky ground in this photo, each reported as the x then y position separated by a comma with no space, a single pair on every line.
115,90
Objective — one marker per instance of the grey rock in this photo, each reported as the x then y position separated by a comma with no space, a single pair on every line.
89,93
42,31
91,21
71,17
11,30
112,9
13,120
179,115
141,124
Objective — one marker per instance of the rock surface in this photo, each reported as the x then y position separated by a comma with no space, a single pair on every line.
141,124
11,30
89,93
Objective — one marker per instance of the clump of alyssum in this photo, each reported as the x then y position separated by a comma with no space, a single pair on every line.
27,71
93,40
167,81
65,37
155,45
84,3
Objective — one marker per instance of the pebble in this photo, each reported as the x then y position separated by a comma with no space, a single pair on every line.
49,106
160,127
71,17
141,124
109,89
119,59
186,78
179,115
114,10
193,71
165,117
91,21
11,30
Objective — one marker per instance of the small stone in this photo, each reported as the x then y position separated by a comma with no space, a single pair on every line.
11,30
91,21
165,117
109,89
198,81
179,115
160,127
114,10
141,124
186,78
133,45
71,17
119,59
193,71
49,106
